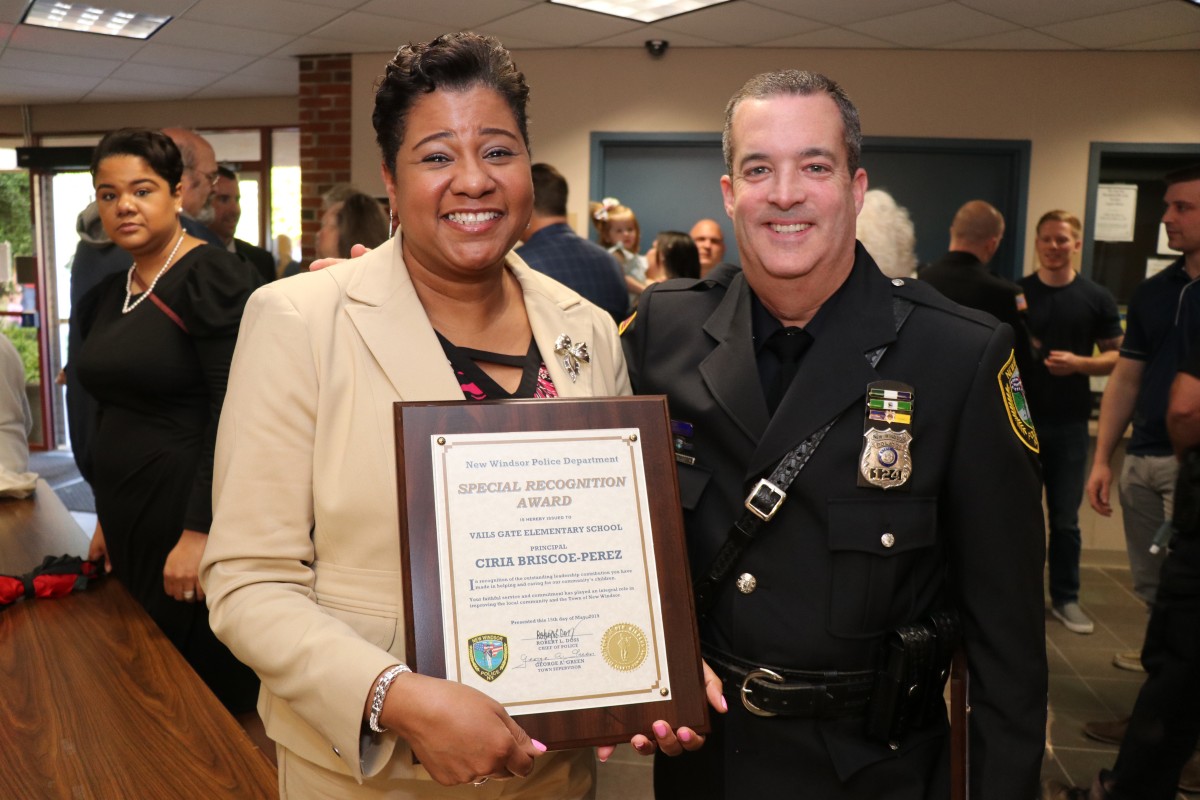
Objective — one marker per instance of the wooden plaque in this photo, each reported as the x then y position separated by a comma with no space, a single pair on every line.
418,428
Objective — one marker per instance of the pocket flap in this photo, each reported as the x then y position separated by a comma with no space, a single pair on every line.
884,526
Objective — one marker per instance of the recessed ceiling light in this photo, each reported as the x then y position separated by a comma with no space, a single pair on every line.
641,10
86,18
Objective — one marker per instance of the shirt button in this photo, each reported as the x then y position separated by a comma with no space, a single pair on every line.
747,583
897,281
337,752
887,539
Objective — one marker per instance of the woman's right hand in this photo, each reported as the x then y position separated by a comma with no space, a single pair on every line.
459,734
98,549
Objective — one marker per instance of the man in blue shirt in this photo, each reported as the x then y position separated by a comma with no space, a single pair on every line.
553,248
1162,325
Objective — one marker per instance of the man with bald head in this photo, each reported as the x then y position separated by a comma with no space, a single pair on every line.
962,274
710,241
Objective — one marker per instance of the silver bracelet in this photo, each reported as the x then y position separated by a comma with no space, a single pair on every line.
381,689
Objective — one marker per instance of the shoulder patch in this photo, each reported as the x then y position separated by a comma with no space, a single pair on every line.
1016,404
625,324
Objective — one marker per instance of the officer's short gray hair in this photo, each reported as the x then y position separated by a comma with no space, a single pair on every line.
801,83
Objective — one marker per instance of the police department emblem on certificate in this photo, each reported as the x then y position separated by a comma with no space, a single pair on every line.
550,598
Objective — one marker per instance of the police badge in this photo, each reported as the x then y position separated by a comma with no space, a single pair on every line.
886,461
489,655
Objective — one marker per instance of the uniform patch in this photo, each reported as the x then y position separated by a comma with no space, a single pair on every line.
1017,404
489,655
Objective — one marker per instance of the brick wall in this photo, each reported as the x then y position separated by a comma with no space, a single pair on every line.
324,137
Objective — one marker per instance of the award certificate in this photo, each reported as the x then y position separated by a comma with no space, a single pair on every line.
550,598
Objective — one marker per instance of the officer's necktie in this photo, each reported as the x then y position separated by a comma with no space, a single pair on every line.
788,345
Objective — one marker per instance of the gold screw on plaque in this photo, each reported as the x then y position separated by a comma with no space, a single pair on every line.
664,692
441,440
633,437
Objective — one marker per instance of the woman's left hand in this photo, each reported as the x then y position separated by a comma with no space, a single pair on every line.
674,742
180,578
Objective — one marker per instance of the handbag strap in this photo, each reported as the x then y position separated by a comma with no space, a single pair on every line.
769,493
163,307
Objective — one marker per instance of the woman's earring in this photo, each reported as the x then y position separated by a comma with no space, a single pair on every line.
391,223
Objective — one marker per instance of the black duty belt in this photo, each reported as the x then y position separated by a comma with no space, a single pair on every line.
774,691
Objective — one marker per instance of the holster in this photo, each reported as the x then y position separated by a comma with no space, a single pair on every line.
913,670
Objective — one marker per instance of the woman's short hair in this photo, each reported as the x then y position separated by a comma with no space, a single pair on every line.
360,220
453,61
677,254
153,147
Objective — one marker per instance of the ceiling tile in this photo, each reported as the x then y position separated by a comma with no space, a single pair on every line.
192,58
317,46
12,10
1020,39
1035,13
829,37
738,24
71,43
155,73
57,63
382,33
114,90
451,15
272,69
1158,21
843,11
929,27
277,15
189,33
558,26
36,79
241,86
638,38
19,96
1184,41
345,5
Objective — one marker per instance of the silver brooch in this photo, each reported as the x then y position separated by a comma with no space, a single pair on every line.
571,355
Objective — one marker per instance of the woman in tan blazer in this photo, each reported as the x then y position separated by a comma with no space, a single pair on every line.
303,569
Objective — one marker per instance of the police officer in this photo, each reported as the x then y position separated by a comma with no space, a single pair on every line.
922,495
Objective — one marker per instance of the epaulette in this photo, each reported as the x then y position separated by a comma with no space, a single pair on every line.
922,294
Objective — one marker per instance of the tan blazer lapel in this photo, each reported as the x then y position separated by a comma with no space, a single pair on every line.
387,314
554,310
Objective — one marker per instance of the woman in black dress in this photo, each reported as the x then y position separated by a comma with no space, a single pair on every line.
157,344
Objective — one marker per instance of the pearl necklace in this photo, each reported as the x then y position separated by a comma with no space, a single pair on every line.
127,306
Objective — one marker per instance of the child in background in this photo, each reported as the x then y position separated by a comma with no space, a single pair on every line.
620,235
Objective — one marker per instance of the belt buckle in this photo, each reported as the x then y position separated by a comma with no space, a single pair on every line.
779,495
764,674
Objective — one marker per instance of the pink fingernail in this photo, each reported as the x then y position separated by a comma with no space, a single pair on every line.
660,729
603,759
685,735
540,747
724,704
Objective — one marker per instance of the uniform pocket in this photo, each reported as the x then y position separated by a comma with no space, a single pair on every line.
883,560
692,480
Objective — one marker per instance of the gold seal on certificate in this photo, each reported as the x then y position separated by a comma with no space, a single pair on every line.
624,646
545,565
